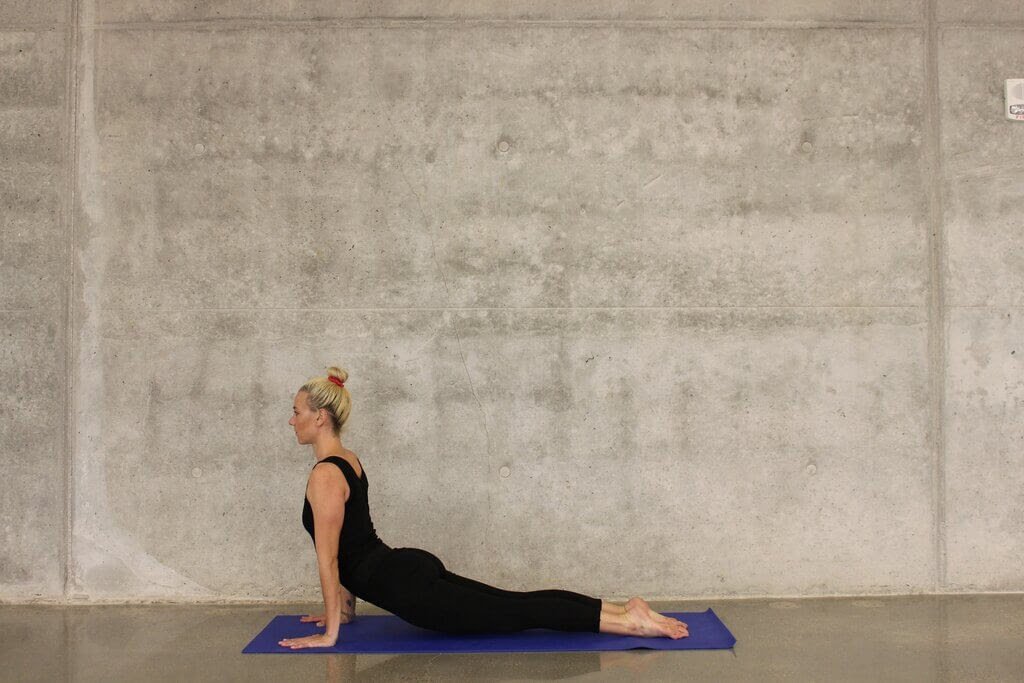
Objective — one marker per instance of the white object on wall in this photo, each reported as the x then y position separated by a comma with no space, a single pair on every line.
1015,99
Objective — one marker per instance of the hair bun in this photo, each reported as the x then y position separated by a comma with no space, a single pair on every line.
337,372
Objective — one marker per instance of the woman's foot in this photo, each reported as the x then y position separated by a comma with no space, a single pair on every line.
651,624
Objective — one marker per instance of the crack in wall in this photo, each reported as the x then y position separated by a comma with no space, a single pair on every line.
458,337
427,223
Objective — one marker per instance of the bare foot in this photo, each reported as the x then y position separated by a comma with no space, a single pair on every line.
657,616
651,624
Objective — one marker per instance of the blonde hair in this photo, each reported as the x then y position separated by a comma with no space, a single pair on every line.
321,392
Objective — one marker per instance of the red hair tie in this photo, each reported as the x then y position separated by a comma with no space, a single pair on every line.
337,381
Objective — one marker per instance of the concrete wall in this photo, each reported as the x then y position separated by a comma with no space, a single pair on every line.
734,292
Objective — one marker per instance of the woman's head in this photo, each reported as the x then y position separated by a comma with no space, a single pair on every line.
321,404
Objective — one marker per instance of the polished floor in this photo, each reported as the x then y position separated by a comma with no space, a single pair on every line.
916,638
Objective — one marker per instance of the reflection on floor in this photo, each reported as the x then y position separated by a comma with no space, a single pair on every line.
909,638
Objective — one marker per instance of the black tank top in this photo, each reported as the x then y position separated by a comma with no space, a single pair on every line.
359,547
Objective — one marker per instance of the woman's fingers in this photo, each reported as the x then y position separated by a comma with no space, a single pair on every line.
318,640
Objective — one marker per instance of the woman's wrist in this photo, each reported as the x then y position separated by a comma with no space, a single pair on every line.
348,610
348,603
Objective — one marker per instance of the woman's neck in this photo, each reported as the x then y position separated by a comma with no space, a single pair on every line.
327,445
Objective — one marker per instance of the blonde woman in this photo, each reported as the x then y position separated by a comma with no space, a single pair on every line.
412,583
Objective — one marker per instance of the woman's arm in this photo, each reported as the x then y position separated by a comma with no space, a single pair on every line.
325,484
327,492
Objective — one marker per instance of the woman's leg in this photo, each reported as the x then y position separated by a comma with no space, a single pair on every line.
634,618
547,593
417,587
468,606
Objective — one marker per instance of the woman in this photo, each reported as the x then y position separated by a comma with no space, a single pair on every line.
409,582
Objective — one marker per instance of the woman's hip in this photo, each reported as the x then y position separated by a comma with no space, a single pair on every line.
404,569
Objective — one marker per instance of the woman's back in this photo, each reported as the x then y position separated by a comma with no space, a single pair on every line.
359,543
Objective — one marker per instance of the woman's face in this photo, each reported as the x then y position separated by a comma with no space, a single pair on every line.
303,419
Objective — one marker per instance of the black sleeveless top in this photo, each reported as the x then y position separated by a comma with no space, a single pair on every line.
359,547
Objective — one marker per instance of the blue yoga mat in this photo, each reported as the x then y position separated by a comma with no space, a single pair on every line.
387,634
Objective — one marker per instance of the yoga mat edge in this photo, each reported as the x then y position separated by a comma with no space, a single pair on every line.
388,634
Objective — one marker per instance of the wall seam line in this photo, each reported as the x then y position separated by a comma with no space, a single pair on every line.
70,347
405,22
936,294
30,27
242,23
388,309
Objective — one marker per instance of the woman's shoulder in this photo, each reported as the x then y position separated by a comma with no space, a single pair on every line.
353,463
330,476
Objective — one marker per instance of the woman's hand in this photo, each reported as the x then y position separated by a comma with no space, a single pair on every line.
318,640
320,619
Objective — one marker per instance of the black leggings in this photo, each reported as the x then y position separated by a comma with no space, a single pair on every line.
413,584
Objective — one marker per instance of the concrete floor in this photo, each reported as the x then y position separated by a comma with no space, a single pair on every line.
917,638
